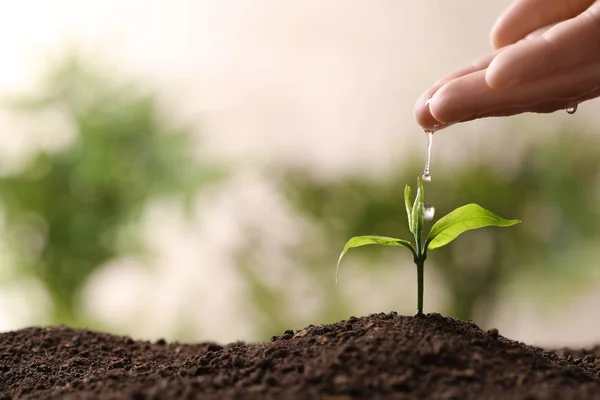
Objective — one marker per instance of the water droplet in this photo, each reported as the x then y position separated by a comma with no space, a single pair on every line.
572,109
428,211
426,173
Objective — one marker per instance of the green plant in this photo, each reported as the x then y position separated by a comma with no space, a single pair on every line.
444,231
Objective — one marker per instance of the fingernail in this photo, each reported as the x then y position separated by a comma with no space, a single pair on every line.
434,124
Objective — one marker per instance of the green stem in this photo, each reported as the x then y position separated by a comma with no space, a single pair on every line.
420,263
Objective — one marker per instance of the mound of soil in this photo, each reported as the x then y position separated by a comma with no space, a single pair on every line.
383,356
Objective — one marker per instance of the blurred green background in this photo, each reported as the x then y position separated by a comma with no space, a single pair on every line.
68,212
133,225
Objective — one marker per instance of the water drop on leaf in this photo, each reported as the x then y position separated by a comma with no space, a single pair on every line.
428,211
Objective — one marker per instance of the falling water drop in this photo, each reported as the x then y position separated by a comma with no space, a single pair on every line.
428,211
572,109
426,174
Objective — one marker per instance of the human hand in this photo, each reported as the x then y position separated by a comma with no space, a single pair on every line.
533,68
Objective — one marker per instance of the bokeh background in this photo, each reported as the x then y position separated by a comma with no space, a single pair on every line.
190,169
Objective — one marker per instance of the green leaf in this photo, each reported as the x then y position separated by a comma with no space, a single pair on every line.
470,216
359,241
417,213
408,206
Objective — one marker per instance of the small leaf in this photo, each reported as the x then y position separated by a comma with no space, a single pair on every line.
470,216
417,213
408,206
359,241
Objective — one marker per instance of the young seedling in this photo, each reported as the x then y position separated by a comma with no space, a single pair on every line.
445,230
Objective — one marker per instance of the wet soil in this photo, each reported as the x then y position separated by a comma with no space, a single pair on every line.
383,356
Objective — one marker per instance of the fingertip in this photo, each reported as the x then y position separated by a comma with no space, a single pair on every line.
440,103
423,116
503,32
456,100
422,110
492,78
498,36
499,76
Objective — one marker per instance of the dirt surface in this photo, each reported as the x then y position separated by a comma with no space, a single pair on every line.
383,356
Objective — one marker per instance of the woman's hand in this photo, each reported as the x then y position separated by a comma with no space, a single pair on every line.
546,58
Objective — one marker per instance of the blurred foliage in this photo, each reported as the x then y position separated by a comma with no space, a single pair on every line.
69,211
553,190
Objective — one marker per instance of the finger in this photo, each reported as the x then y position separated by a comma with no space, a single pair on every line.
525,16
421,108
544,107
565,46
539,32
470,96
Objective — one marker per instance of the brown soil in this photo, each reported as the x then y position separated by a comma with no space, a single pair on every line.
383,356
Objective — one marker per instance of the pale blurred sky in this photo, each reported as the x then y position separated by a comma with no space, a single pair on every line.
325,84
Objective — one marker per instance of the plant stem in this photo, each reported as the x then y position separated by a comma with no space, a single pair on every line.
420,262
